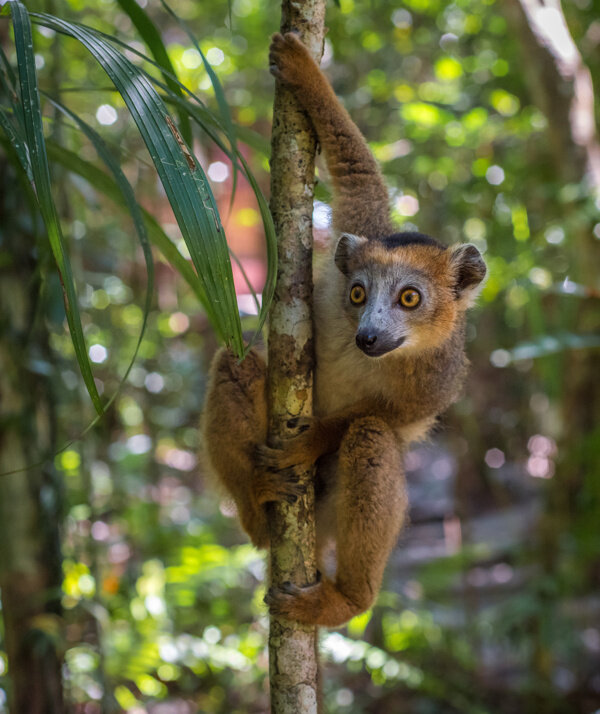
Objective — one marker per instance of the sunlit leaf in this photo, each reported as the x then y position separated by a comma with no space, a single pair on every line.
183,179
151,36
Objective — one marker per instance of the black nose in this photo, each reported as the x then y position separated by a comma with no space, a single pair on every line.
365,341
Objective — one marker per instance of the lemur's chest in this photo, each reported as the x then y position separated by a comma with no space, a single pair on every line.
416,389
344,377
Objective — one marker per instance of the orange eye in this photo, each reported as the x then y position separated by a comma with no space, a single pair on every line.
410,298
357,295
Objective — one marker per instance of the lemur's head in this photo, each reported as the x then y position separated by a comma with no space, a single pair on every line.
406,291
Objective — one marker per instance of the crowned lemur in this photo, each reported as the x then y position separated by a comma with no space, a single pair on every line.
389,316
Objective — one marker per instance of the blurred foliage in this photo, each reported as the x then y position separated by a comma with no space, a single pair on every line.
491,604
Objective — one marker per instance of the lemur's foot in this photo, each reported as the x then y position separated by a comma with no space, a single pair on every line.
282,486
296,453
320,603
276,460
288,58
244,374
294,603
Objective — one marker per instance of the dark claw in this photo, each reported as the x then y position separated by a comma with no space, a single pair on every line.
263,456
291,423
291,498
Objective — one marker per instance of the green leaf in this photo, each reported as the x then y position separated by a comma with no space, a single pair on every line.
151,36
11,84
205,119
225,114
184,181
34,133
271,240
210,124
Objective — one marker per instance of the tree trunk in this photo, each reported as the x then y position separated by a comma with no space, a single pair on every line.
561,85
293,647
30,569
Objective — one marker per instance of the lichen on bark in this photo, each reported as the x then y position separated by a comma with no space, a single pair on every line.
292,647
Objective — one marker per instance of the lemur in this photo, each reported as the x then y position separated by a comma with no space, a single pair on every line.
389,316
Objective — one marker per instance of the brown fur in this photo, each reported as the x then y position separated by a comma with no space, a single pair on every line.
367,409
234,422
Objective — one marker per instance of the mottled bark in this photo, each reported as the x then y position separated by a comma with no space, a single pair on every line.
30,571
292,647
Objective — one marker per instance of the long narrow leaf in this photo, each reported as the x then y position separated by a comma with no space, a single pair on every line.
12,78
151,36
184,181
39,165
271,241
196,114
224,112
210,124
244,275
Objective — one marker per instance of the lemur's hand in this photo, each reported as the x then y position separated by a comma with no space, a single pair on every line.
296,452
289,59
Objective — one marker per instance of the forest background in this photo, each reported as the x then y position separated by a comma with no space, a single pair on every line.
490,602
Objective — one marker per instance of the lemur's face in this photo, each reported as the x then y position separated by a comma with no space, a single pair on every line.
406,292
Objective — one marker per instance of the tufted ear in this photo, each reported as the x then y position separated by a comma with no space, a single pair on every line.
346,246
469,272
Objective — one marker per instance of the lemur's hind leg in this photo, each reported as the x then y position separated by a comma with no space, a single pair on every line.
233,425
370,504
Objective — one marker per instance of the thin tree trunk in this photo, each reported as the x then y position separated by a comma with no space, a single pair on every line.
30,570
561,85
292,647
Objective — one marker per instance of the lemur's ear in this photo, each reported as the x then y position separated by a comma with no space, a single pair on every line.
470,270
347,244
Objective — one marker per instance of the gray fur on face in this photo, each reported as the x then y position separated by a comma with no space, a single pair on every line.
382,324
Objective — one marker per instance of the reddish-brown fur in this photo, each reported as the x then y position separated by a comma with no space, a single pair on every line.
366,409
